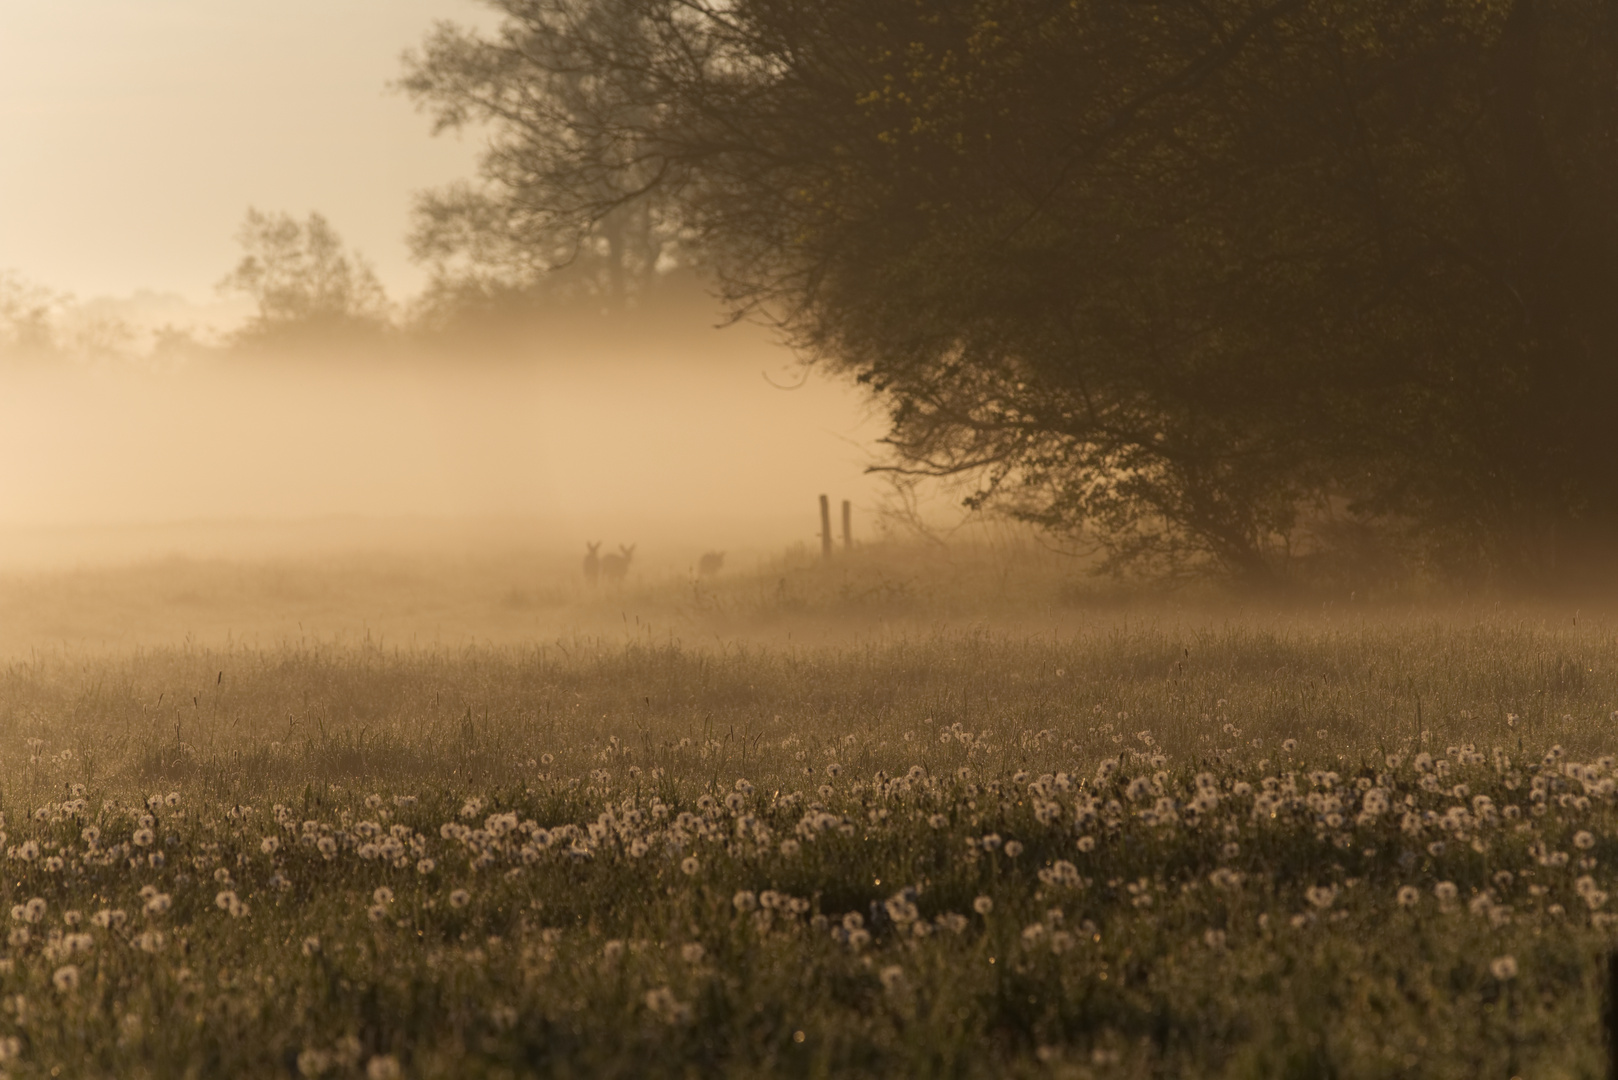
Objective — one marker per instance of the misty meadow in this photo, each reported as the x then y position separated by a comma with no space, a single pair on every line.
960,538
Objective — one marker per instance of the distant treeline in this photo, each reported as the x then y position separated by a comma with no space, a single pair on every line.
316,299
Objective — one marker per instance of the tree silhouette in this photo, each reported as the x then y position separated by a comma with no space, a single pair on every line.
307,285
1212,284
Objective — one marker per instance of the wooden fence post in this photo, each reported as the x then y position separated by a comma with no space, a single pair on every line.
848,526
825,527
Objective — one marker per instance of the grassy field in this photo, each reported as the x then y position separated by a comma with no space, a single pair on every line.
915,813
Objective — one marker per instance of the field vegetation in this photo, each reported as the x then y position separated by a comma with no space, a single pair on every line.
933,813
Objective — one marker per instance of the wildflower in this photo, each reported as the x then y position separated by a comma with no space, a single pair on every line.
33,911
222,876
1061,872
1503,967
1013,849
142,838
1321,896
662,1003
157,903
1289,745
612,950
383,895
789,848
376,912
425,866
1408,895
270,844
991,841
459,898
689,865
744,901
382,1067
150,941
327,847
834,770
72,918
18,937
91,835
937,821
893,978
983,905
692,952
1445,891
1583,840
1087,843
66,978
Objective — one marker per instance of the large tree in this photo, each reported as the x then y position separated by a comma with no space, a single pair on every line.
1195,278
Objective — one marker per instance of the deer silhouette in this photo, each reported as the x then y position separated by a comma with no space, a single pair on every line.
592,563
710,563
614,567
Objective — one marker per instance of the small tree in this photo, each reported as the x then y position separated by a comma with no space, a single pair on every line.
27,320
306,284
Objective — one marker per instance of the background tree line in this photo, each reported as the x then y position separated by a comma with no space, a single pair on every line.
1250,286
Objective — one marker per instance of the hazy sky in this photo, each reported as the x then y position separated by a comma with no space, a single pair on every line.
134,134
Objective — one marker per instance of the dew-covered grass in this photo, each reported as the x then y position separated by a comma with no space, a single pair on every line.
1180,844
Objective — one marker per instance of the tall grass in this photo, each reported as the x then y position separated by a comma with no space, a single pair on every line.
785,824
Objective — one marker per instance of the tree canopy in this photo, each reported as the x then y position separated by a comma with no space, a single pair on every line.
1226,284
